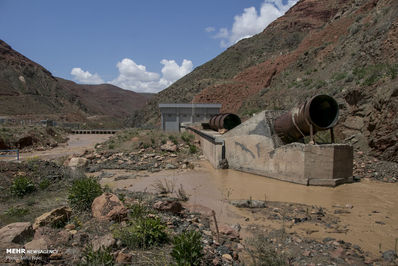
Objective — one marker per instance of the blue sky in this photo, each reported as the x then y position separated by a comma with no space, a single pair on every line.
137,45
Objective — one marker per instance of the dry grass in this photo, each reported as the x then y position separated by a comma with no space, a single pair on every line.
164,187
182,194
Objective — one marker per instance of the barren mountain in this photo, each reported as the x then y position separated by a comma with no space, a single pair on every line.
347,49
29,90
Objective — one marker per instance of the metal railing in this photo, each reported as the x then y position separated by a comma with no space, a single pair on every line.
9,151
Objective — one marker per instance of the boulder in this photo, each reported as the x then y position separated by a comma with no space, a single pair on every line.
169,146
174,207
70,226
76,162
389,255
229,231
16,232
108,207
171,166
227,257
55,217
105,241
123,258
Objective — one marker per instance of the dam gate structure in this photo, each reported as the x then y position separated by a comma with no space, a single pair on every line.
268,144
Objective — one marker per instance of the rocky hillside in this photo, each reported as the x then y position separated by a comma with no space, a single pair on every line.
28,89
108,100
347,49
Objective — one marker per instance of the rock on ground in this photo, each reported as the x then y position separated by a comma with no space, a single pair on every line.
174,207
105,241
108,207
169,146
16,232
77,162
57,216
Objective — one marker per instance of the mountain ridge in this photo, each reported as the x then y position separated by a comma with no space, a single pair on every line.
29,90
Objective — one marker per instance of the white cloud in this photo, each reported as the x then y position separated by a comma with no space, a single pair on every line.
85,77
172,71
137,78
251,21
210,29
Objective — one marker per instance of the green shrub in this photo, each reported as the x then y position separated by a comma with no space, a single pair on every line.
393,71
173,139
193,149
45,183
138,211
307,82
16,212
187,249
372,79
143,233
22,186
82,193
146,145
111,146
339,76
320,84
187,137
103,256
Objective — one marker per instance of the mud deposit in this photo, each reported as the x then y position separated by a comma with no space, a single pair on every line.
76,144
362,213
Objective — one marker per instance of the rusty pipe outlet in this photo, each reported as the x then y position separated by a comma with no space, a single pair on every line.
224,121
320,112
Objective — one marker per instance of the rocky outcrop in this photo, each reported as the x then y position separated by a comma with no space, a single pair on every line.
108,207
16,232
56,217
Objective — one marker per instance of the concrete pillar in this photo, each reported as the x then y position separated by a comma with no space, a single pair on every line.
161,120
178,119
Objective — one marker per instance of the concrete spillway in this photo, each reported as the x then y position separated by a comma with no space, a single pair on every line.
253,147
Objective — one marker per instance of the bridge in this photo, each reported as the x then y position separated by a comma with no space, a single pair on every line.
95,131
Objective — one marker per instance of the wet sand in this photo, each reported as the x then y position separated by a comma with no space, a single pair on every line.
372,221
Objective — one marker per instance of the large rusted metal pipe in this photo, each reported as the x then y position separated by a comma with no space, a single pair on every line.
224,121
320,112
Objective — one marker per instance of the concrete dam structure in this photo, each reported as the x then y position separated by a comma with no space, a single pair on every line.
266,145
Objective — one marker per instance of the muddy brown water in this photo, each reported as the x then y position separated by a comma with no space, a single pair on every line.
76,145
372,222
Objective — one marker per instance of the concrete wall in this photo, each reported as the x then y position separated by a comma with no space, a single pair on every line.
213,148
255,154
253,147
172,115
327,165
212,151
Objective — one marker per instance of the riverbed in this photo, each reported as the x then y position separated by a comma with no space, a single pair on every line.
76,145
370,219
